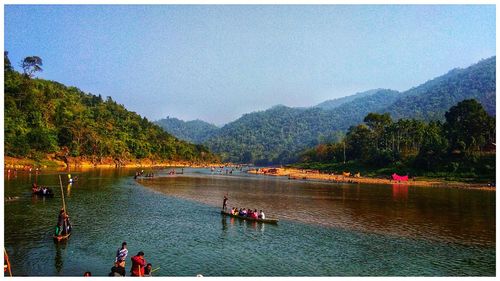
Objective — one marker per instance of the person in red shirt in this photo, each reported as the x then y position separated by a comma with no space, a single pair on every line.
138,264
254,214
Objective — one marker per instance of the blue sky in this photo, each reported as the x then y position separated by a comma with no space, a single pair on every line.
217,62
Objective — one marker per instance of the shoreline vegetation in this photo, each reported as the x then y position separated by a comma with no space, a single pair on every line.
289,172
316,175
84,163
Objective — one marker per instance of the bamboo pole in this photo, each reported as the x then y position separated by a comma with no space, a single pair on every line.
62,193
8,262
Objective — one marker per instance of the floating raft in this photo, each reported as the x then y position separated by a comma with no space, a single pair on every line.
270,220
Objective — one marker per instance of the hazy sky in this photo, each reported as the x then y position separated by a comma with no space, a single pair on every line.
217,62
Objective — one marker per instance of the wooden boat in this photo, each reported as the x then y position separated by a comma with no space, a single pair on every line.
61,237
49,193
268,220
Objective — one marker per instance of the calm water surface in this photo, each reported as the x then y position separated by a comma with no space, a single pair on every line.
324,229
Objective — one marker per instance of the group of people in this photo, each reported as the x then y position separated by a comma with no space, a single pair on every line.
139,267
242,211
63,226
248,213
40,189
142,174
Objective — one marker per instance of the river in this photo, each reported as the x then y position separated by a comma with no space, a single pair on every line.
325,229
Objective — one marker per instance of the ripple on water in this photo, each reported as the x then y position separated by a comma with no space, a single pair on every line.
324,230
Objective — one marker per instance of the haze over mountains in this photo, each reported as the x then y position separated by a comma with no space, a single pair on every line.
277,134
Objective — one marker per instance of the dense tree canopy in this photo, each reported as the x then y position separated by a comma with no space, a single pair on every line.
416,144
31,65
44,117
468,127
195,131
278,134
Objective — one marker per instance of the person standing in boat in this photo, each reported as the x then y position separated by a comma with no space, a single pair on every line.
224,203
60,222
138,264
66,224
121,255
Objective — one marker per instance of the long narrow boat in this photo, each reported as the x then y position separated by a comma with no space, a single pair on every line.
59,238
275,221
40,193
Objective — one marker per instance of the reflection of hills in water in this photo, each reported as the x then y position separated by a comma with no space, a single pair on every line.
431,213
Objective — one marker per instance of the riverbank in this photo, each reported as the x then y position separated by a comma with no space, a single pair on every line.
315,175
84,163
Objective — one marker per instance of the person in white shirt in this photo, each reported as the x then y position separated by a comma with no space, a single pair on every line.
262,215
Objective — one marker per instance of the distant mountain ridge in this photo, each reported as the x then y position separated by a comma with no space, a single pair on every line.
432,99
277,134
334,103
196,131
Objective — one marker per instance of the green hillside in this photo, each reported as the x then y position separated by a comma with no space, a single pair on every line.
430,100
277,134
334,103
47,118
195,131
462,148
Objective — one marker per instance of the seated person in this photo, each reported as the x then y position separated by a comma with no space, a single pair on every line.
262,215
117,271
254,214
147,270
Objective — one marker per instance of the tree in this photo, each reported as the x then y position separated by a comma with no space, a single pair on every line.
433,150
378,123
360,143
6,62
468,127
31,65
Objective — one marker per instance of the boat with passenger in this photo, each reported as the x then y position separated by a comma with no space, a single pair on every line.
41,191
266,220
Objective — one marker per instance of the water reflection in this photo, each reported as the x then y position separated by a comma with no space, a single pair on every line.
399,192
436,213
224,224
58,260
257,226
68,189
188,240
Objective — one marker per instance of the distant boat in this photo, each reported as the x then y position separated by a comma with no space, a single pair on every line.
48,193
269,220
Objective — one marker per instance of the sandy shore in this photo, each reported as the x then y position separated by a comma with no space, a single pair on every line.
79,163
304,174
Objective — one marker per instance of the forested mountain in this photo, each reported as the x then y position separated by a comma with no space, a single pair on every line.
47,118
430,100
196,131
460,148
331,104
277,135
